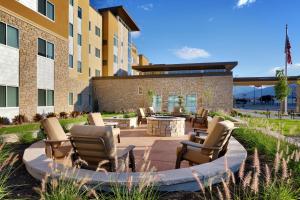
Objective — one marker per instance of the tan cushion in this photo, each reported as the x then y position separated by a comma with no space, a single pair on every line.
204,113
194,155
215,136
141,113
95,119
200,111
213,123
53,129
63,150
94,133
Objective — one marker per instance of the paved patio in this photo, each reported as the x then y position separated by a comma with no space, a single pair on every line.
162,150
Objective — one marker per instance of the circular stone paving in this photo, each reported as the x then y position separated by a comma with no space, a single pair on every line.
38,165
165,126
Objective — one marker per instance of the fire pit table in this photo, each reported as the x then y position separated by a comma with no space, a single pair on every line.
167,126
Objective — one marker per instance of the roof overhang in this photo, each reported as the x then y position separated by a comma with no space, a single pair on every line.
123,14
187,66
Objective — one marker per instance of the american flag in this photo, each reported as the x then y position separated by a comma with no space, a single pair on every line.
288,50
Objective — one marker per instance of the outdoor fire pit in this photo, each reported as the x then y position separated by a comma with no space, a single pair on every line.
168,126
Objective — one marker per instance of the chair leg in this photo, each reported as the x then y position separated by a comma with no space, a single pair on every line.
131,161
119,139
180,156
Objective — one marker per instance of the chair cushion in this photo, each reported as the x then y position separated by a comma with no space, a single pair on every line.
194,155
216,135
95,119
62,151
141,113
213,122
53,129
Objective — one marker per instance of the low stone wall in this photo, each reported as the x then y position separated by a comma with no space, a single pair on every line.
123,123
169,127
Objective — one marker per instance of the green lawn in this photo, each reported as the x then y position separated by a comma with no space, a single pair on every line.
288,127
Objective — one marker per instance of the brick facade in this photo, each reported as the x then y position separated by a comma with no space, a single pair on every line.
114,94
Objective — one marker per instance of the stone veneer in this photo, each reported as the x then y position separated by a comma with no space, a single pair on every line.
115,94
168,127
28,37
123,123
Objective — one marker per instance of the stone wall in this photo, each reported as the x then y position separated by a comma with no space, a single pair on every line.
114,94
28,37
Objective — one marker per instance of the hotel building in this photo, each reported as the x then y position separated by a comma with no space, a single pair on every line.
50,50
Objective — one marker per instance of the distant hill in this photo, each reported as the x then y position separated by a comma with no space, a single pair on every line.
248,92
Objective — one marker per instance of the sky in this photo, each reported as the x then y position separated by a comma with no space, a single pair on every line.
251,32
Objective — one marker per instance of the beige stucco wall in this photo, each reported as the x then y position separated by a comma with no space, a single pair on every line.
116,94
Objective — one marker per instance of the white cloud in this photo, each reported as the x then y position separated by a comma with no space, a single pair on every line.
136,34
188,53
293,70
242,3
147,7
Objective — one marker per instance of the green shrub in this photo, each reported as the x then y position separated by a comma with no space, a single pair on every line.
63,115
20,119
37,117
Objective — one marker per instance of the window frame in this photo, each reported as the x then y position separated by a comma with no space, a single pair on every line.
97,31
71,99
96,52
6,35
79,39
79,15
47,42
79,103
72,32
6,96
186,102
71,67
46,8
46,97
79,62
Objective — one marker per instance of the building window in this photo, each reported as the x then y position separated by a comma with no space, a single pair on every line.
79,39
79,99
172,102
97,31
45,49
79,13
50,50
97,72
72,2
71,64
50,10
46,8
97,52
115,40
140,90
79,67
157,103
71,98
90,26
191,103
90,48
9,35
90,72
71,30
115,59
45,97
9,96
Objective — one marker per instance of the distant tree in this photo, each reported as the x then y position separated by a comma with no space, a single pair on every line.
150,95
281,88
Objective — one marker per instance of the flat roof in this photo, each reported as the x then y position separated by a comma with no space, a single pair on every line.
121,12
186,66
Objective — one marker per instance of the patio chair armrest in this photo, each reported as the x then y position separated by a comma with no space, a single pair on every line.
113,124
199,130
197,145
55,141
201,139
126,151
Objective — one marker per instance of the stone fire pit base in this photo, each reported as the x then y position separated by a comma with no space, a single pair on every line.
166,126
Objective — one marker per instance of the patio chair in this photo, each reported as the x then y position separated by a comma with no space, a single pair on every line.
150,111
214,146
141,116
199,113
201,119
96,119
95,145
57,143
198,134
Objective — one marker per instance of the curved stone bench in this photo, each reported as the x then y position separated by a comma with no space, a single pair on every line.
38,165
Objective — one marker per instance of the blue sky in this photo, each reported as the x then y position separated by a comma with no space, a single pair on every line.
251,32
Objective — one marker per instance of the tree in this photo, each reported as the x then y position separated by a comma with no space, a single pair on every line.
281,88
150,95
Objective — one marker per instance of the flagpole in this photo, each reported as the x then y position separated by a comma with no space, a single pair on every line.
286,74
